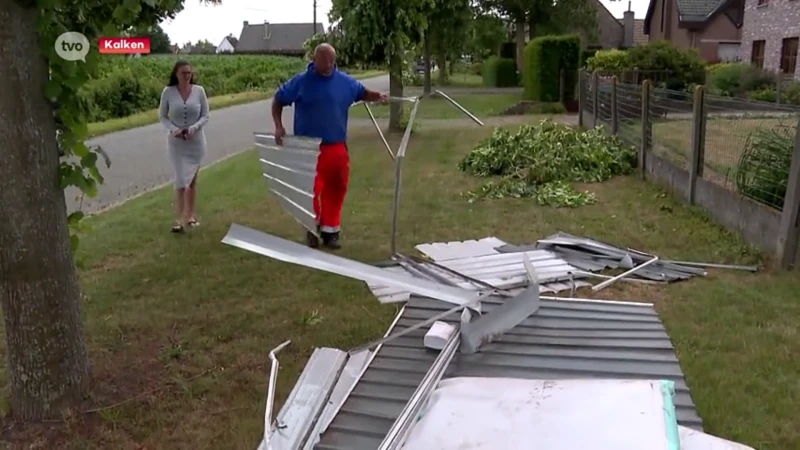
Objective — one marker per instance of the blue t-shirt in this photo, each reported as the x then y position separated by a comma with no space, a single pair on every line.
321,104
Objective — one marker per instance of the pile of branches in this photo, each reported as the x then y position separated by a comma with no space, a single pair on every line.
543,161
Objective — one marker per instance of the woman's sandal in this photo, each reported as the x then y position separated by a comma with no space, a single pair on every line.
194,223
177,228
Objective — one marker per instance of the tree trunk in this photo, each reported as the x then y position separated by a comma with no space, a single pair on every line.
426,55
520,35
441,64
531,26
396,90
48,365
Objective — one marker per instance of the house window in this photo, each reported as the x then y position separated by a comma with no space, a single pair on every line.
789,55
763,2
757,55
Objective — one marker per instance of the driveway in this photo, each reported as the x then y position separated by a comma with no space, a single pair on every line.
139,159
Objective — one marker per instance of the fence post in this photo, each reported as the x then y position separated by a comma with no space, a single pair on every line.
614,114
790,217
581,93
595,97
647,129
698,141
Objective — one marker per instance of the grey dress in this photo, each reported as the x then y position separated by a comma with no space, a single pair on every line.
185,155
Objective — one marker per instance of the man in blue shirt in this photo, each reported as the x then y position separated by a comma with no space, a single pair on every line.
322,97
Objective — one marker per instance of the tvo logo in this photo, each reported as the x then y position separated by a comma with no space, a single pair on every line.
72,46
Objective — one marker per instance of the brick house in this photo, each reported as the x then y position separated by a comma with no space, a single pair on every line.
713,27
770,35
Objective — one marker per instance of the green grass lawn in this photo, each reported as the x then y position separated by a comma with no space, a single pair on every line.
458,80
181,325
481,105
221,101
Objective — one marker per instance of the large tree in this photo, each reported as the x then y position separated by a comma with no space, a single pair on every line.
446,35
48,365
554,16
387,26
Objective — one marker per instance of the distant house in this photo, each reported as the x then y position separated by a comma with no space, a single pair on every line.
276,38
713,27
228,45
771,35
613,32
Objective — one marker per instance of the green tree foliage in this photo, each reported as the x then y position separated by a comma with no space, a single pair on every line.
392,26
159,41
204,47
48,362
448,30
488,33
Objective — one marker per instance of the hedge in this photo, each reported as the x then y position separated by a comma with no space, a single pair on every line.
125,86
545,57
499,72
585,55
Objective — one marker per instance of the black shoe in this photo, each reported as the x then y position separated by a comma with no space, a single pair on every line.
312,240
331,240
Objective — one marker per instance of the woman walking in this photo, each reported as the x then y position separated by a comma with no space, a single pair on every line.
184,113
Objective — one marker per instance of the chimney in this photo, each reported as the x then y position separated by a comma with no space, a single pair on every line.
246,23
266,30
627,27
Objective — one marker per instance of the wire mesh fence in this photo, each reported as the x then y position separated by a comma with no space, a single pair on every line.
748,147
744,146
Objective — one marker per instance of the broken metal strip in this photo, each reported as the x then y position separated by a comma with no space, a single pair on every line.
322,426
273,380
628,280
460,108
398,175
461,275
607,283
306,401
299,142
288,186
378,129
292,252
508,315
713,265
594,300
398,433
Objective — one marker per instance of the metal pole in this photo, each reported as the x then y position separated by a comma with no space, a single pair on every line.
398,433
607,283
460,108
398,175
378,129
273,380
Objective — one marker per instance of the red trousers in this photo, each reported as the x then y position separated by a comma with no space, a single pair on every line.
330,186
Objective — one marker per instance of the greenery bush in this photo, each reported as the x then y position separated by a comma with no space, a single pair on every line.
681,67
545,57
738,79
541,161
499,72
126,86
763,170
609,61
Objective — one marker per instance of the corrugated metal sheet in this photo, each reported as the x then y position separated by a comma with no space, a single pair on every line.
563,339
479,260
290,170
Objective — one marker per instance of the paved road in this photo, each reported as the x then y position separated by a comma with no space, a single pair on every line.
139,159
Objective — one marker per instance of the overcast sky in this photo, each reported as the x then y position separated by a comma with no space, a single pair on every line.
197,21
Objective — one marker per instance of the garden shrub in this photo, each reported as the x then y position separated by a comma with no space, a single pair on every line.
499,72
609,61
738,80
545,57
763,170
681,67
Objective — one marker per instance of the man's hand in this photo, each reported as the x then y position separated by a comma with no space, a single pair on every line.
280,132
383,97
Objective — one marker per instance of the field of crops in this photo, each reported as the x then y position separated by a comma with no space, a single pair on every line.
125,86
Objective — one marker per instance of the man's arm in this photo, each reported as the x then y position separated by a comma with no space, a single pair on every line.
285,96
362,94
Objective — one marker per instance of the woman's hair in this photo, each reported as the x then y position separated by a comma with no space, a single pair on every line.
173,77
